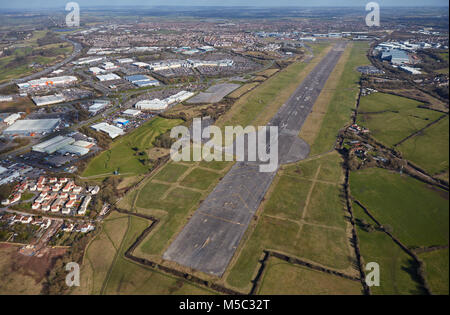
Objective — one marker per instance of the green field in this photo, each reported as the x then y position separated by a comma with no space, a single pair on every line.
123,154
429,149
392,118
397,276
282,278
303,216
342,102
173,193
126,277
436,268
418,213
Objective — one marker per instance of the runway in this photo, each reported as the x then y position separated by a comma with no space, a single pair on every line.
209,240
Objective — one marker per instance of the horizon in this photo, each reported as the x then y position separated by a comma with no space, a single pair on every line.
55,4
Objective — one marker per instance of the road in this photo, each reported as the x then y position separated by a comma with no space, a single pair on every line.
209,240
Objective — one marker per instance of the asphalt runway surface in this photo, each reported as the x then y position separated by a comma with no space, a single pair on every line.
210,238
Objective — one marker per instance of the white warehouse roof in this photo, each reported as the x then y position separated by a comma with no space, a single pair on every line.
112,131
32,125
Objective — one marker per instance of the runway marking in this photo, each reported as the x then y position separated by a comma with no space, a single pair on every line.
219,218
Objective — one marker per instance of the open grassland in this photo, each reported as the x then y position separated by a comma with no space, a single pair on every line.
18,64
170,196
397,272
243,89
282,278
303,216
13,279
261,104
123,154
339,109
126,277
101,253
268,73
417,213
436,267
430,148
392,118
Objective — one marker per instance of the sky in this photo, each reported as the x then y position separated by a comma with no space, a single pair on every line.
32,4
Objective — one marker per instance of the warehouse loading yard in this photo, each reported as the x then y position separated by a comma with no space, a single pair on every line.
211,237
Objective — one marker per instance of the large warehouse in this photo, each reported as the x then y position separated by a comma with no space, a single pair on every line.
48,99
48,82
27,127
53,145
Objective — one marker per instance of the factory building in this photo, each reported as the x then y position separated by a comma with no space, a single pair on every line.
157,104
395,56
108,77
112,131
11,119
98,106
87,60
121,121
53,145
48,99
27,127
42,82
142,80
132,112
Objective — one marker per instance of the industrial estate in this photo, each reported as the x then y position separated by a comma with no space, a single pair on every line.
86,174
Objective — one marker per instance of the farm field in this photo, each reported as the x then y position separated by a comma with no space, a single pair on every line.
392,118
430,148
282,278
309,224
122,155
417,213
126,277
397,274
436,267
170,195
342,102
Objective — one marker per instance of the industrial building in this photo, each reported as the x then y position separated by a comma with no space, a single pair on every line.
11,119
42,82
48,99
157,104
98,106
108,77
53,145
73,149
132,112
112,131
410,70
121,121
142,80
63,145
28,127
87,60
395,56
